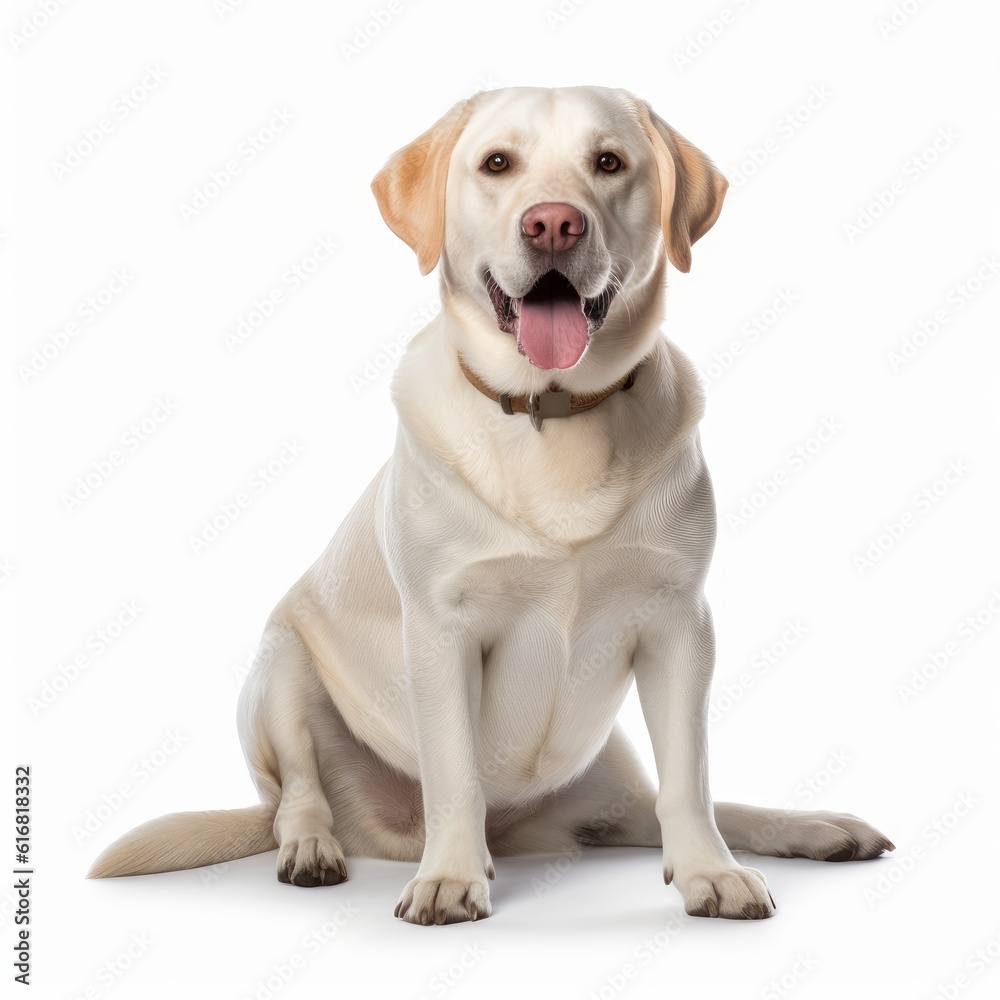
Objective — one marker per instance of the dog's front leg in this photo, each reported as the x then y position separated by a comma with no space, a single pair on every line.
673,666
444,675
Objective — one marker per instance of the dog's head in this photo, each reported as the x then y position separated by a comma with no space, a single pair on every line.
551,212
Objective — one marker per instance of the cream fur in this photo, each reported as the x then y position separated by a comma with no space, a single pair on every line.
442,684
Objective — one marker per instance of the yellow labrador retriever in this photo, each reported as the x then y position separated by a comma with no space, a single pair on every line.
442,685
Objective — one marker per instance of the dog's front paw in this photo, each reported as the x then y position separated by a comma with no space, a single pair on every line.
312,860
444,900
723,890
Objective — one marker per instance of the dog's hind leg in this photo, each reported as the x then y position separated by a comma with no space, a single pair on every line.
610,804
281,708
788,833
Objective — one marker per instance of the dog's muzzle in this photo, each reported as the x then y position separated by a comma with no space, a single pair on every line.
553,322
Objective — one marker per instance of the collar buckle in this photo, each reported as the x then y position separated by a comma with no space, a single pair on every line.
552,403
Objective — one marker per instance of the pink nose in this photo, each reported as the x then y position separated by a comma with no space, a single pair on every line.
552,225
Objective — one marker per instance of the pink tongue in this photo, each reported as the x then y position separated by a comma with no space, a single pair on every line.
553,332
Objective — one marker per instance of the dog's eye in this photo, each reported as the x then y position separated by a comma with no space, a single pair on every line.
609,163
496,162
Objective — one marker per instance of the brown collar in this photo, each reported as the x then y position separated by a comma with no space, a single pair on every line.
552,403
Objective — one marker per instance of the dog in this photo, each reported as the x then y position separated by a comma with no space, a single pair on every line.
442,685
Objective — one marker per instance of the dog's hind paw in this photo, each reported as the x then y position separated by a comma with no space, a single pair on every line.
311,861
821,836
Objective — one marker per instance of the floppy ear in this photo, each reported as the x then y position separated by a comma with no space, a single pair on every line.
691,188
409,189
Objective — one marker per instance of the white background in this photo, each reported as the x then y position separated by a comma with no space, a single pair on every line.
825,726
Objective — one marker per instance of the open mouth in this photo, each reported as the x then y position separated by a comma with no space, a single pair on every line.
553,322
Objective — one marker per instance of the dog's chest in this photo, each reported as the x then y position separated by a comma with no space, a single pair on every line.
566,483
557,638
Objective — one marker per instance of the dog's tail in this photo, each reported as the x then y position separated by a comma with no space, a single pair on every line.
189,840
